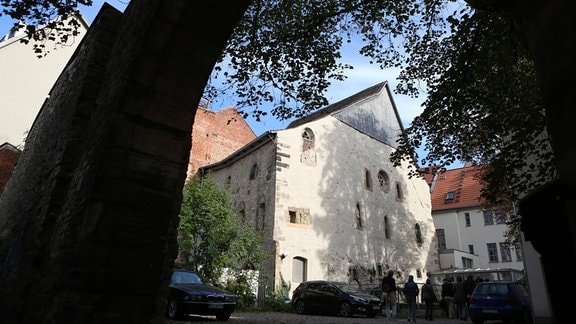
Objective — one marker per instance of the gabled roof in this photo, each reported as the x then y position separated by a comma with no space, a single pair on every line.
378,119
453,189
8,146
371,111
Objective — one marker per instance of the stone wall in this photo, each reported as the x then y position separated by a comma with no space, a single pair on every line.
88,220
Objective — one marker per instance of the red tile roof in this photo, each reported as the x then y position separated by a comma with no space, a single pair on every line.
461,183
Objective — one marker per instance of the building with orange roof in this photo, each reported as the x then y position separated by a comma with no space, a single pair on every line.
468,236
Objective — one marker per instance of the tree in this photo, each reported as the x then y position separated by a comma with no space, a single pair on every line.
211,235
470,59
44,20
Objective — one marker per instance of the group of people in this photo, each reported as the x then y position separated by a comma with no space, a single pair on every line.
455,297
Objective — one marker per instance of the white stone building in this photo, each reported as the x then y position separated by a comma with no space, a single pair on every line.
469,237
328,200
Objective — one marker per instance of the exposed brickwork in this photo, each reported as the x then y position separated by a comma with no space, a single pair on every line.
8,157
217,134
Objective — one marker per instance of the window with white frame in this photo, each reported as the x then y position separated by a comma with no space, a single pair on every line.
488,217
467,219
492,252
441,236
505,252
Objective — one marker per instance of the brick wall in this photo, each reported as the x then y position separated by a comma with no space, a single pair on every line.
217,134
8,157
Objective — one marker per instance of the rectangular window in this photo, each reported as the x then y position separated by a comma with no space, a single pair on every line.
467,219
466,263
441,238
299,215
471,249
492,252
449,196
519,256
488,218
500,217
505,252
379,270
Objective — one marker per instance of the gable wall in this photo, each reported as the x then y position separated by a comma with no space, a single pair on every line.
331,189
215,135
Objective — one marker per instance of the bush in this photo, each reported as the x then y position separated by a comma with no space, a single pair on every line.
277,301
241,286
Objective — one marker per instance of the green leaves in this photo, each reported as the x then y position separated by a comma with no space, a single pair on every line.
211,235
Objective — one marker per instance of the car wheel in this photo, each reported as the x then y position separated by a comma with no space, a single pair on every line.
526,318
173,310
346,309
299,307
223,316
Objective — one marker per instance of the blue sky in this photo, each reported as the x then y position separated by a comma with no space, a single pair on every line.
361,77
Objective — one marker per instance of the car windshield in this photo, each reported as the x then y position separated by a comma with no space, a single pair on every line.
347,287
185,277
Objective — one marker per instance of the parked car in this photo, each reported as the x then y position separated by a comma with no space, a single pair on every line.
508,301
190,294
329,297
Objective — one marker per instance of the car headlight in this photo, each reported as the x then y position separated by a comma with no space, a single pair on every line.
229,298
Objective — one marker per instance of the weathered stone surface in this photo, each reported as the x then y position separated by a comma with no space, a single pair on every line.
88,221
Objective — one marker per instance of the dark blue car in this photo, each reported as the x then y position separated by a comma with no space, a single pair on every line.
337,298
190,294
507,301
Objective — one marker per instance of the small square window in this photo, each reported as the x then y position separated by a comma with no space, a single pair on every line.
449,196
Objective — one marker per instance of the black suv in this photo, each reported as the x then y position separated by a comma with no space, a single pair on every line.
329,297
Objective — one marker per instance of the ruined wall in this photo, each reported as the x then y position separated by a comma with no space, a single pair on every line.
216,135
88,219
8,157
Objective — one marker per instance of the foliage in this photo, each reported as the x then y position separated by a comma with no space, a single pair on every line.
277,300
44,21
483,103
211,235
483,106
241,285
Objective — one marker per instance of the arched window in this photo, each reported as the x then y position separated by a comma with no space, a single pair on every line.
254,171
308,155
367,179
242,211
399,192
383,181
260,216
358,216
418,233
386,227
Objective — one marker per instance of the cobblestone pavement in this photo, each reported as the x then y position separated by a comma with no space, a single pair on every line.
292,318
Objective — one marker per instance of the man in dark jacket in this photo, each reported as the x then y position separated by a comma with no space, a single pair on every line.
411,292
389,294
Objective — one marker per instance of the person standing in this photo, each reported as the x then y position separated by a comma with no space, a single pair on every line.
389,295
469,285
448,297
428,296
460,298
411,292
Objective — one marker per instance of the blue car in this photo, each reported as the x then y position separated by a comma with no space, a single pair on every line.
336,298
507,301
